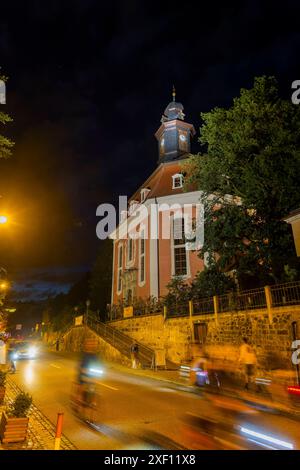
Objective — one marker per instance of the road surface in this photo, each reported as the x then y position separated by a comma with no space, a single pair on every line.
137,412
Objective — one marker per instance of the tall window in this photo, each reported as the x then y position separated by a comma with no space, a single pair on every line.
142,257
180,262
120,267
129,250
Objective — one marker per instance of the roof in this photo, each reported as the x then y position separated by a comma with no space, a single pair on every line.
292,215
160,181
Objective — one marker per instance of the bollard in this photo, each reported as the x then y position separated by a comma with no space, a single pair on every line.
60,417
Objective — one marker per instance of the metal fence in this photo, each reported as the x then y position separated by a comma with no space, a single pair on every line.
245,300
203,306
281,295
285,294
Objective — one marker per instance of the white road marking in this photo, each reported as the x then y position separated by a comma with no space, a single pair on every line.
108,386
57,367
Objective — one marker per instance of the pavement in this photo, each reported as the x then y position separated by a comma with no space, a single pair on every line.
41,431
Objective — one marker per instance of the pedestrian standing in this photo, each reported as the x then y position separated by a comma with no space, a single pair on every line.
134,356
248,359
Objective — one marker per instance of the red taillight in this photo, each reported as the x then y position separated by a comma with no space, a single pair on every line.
294,389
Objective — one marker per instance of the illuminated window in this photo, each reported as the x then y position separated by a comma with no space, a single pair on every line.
177,181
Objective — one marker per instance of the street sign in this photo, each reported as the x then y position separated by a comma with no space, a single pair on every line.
19,327
79,320
128,312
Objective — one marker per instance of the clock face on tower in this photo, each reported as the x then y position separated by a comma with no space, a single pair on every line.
182,137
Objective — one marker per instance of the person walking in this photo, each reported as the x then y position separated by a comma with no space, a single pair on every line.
247,358
135,355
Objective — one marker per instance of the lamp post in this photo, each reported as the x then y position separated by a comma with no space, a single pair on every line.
87,303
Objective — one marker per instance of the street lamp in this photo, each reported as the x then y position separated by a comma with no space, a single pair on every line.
87,303
3,219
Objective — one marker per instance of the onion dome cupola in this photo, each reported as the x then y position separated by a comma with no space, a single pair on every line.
174,134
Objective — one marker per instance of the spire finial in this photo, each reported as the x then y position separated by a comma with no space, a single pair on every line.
174,93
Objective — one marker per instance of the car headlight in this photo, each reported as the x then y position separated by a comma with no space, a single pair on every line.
95,371
32,351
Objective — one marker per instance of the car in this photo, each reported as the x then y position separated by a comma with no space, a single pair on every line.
23,350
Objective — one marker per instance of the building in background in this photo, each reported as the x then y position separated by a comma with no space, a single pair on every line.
294,219
144,265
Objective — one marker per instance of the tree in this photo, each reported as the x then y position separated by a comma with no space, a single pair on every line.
5,143
101,278
251,152
211,282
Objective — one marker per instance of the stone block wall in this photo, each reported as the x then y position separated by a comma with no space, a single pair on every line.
74,340
272,340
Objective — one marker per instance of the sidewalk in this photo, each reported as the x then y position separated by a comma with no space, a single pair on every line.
41,431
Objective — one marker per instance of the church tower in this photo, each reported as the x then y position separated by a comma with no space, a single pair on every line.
174,135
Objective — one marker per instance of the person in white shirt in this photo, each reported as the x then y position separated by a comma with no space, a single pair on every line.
248,358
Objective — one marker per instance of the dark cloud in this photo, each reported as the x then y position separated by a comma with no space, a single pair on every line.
89,81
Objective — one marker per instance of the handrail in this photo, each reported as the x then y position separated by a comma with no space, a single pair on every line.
120,340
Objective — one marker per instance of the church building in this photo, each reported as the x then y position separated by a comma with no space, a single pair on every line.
144,264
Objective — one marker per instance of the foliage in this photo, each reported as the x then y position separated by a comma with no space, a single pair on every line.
100,280
211,282
146,306
178,296
252,152
20,405
2,378
5,143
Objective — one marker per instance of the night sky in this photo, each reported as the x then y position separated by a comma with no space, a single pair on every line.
88,83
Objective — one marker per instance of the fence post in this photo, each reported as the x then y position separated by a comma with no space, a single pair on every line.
268,296
165,312
58,433
191,313
216,308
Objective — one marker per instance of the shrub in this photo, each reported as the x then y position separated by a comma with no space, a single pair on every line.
179,293
20,405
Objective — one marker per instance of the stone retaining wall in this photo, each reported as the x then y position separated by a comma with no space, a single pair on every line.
74,339
272,340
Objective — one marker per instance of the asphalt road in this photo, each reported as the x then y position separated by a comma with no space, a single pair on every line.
138,412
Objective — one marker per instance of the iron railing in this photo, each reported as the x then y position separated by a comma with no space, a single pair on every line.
203,306
281,295
121,341
285,294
